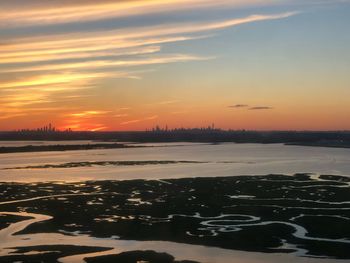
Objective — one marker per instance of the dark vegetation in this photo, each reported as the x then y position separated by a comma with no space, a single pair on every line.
6,220
101,163
137,256
177,209
50,254
50,148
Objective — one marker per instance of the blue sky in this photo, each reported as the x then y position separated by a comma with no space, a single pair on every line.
124,65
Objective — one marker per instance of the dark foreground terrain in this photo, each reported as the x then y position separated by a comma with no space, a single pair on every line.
303,214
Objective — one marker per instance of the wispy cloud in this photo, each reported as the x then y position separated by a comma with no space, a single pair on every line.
23,99
99,128
122,38
107,63
5,116
153,117
49,79
121,115
168,102
85,120
131,37
130,122
120,43
84,126
123,109
246,106
15,56
261,108
86,114
55,66
98,10
237,106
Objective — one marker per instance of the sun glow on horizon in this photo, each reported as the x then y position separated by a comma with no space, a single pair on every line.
132,65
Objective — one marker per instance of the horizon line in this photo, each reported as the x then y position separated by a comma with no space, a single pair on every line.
180,128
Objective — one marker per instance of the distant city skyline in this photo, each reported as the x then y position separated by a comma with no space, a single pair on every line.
134,64
51,128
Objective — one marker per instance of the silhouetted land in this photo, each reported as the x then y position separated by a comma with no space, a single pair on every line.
51,148
307,138
101,163
137,256
273,213
324,143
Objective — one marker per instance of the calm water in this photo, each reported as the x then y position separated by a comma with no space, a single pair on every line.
179,251
45,143
224,160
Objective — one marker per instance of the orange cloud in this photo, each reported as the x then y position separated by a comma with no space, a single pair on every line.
13,56
50,67
103,10
50,79
106,63
121,115
139,120
88,113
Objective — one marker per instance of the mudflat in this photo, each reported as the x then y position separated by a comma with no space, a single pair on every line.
303,215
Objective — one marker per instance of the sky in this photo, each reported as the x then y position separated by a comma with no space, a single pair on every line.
132,65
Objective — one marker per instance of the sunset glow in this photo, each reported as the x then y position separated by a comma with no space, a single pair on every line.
132,65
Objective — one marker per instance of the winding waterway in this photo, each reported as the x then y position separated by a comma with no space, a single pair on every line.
214,160
178,250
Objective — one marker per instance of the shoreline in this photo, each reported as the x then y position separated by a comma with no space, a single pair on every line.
105,146
63,147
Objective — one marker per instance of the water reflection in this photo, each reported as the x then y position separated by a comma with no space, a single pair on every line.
218,160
